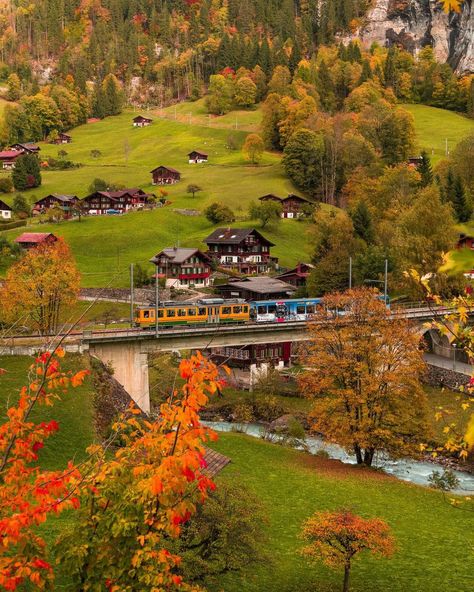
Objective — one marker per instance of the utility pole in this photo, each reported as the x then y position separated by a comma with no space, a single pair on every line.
157,299
447,148
132,304
350,273
385,290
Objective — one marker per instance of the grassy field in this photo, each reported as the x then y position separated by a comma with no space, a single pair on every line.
435,126
105,246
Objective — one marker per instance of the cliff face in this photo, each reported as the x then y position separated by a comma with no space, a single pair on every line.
416,23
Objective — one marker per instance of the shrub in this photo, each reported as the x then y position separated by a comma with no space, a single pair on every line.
218,212
6,185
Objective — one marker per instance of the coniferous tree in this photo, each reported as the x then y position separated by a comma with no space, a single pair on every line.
425,170
27,173
362,222
462,207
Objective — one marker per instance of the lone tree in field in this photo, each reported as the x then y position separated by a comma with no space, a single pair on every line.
363,375
266,212
193,189
336,538
39,285
253,148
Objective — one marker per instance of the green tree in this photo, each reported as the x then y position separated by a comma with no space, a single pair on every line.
245,92
220,94
267,212
43,115
98,185
27,173
21,206
425,169
193,189
218,212
461,205
302,159
272,114
253,148
112,95
13,87
362,221
280,81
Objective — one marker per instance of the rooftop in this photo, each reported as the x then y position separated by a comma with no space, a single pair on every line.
233,236
167,168
33,237
177,255
262,285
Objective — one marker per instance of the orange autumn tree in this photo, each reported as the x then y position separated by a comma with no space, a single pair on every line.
363,371
39,285
29,495
336,538
139,499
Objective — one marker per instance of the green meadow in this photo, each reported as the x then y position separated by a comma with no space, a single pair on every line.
105,246
434,126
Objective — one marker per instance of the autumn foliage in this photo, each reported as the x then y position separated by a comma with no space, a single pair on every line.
363,376
28,494
336,538
39,285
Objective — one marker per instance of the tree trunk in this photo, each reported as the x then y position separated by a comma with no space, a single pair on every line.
347,572
358,453
369,456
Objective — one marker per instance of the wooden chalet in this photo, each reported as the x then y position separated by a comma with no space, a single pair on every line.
5,211
26,148
65,202
242,249
29,240
8,158
183,268
141,121
415,161
297,277
122,201
197,157
257,288
62,139
276,354
292,206
163,175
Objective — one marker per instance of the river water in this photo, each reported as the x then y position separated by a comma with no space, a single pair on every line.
411,470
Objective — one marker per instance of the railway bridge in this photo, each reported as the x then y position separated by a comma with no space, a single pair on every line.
127,350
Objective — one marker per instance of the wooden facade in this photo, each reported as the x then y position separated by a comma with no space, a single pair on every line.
141,121
62,139
297,276
183,268
257,288
255,354
29,240
26,148
163,175
65,202
242,249
5,211
101,202
8,158
293,206
197,157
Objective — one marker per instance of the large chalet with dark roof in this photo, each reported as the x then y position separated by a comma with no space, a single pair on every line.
183,268
101,202
163,175
242,249
8,158
293,206
297,276
65,202
26,147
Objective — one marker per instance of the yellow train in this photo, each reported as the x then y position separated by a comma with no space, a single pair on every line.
205,311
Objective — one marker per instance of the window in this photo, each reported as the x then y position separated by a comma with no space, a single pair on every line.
191,312
170,313
310,309
146,314
226,310
262,310
300,309
202,312
161,313
246,309
237,309
181,312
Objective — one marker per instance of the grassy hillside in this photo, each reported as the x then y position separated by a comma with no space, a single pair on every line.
105,246
434,126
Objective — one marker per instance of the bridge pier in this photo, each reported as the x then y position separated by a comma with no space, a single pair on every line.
130,365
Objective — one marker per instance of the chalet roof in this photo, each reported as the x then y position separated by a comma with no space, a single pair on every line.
4,207
119,193
177,255
199,153
234,236
142,118
63,135
63,198
10,154
34,237
166,169
269,196
298,270
262,285
292,196
28,146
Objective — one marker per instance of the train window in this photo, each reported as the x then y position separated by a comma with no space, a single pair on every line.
272,308
310,309
262,310
181,312
202,312
226,310
146,314
300,309
237,309
161,313
246,309
170,313
191,312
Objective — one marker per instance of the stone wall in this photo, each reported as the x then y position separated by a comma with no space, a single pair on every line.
443,377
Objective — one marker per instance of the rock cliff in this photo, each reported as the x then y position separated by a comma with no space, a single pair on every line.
416,23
